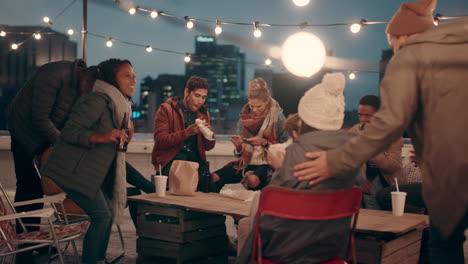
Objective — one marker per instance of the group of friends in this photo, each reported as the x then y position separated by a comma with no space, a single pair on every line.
70,115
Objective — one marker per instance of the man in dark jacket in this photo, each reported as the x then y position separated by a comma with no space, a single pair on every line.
176,135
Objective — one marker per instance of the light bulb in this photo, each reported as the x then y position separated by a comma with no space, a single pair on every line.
154,14
267,62
352,76
355,28
257,33
14,46
303,54
109,43
187,58
301,2
149,49
132,11
70,32
2,33
218,30
189,24
37,36
46,19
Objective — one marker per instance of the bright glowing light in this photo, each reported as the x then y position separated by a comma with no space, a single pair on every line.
109,43
352,76
303,54
218,30
275,52
436,22
149,49
14,46
189,24
154,14
257,33
71,32
46,19
2,33
37,36
301,2
355,28
132,11
187,58
267,62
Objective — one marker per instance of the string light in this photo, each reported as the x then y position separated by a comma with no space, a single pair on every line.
2,33
154,14
301,2
149,49
187,58
109,43
37,36
268,62
189,22
355,28
132,11
46,19
70,32
14,46
257,32
352,76
218,29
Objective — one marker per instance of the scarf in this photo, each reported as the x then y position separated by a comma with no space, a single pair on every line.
119,105
262,125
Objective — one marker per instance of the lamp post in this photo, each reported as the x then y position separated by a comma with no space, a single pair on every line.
84,29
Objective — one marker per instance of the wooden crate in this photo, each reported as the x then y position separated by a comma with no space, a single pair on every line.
388,248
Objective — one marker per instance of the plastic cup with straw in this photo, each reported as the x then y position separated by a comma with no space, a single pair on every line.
398,201
160,183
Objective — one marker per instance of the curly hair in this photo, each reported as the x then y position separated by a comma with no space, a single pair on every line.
371,100
108,70
196,82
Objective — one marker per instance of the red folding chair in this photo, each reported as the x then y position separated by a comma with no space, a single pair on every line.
307,205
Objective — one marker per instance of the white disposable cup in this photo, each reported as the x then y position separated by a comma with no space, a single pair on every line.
398,203
160,183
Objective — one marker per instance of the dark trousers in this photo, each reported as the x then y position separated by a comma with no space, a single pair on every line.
28,183
228,174
135,178
448,250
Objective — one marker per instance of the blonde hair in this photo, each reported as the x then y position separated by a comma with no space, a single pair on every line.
258,89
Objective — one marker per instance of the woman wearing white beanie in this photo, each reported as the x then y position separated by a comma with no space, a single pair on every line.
321,110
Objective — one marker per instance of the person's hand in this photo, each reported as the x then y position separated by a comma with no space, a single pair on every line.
112,136
315,170
193,129
275,158
253,180
413,158
237,141
257,141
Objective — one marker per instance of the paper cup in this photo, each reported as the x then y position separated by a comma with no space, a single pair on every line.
160,183
398,203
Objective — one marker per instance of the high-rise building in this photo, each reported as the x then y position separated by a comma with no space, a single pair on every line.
224,68
16,66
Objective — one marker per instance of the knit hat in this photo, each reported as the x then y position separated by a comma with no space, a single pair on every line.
322,106
412,18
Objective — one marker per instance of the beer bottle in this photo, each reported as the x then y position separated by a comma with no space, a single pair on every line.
122,144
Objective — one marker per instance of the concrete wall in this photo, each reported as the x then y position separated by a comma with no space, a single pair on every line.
139,155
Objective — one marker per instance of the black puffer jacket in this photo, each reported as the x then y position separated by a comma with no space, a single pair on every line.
40,109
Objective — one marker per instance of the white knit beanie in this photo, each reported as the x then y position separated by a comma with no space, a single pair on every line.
322,106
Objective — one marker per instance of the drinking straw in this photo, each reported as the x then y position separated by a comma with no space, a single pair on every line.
160,171
396,184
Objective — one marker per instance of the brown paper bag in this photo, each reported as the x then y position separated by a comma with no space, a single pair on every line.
183,177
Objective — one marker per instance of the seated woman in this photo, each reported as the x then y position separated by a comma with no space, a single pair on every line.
321,110
261,124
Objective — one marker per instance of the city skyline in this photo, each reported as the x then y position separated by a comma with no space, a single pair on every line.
105,18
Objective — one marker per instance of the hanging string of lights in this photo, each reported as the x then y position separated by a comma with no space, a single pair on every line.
354,27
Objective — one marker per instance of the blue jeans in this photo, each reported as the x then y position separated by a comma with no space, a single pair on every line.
98,234
448,250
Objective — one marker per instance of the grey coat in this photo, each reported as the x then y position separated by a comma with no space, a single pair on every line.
74,163
40,109
296,241
425,90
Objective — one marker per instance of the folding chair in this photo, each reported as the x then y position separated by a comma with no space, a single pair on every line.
54,235
69,210
307,205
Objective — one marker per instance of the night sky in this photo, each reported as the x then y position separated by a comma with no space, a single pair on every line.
107,19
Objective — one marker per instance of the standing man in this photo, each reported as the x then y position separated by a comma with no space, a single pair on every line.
176,135
36,116
425,90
